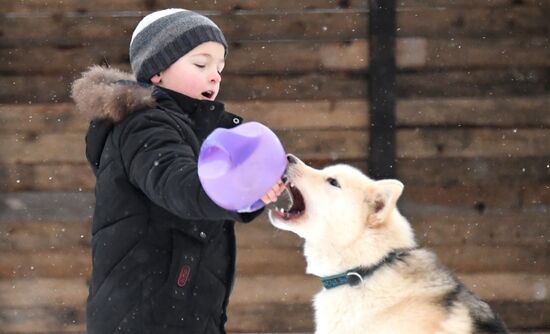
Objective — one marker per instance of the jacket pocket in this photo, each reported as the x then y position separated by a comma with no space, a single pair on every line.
172,304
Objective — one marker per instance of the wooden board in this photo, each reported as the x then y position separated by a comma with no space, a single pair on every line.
245,58
299,289
47,306
473,83
454,253
292,318
475,259
432,228
495,199
34,148
43,292
485,52
537,198
78,29
283,318
300,56
54,176
261,234
455,224
65,263
40,236
528,172
523,230
508,112
75,28
508,287
69,148
468,3
279,318
54,89
30,6
41,118
524,315
513,242
474,200
467,21
293,289
66,207
319,144
512,143
501,83
468,258
44,320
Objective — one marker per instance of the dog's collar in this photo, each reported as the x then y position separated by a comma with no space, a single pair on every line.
355,276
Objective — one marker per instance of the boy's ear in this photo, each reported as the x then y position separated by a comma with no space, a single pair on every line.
155,79
382,201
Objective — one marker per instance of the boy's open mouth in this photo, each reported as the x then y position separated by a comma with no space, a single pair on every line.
297,208
208,94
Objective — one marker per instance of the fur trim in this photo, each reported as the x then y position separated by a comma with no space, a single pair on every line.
98,94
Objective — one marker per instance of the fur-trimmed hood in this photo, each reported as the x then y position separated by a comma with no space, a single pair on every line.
108,93
107,96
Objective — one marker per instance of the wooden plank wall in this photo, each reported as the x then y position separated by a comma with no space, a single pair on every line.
473,140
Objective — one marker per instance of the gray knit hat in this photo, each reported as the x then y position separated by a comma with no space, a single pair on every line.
163,37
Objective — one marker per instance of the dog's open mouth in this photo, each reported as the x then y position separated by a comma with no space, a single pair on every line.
297,207
208,94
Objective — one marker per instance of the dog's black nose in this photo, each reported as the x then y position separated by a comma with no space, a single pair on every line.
291,159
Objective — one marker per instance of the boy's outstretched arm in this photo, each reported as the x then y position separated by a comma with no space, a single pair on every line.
163,165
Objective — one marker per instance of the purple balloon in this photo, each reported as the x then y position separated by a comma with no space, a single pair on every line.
238,166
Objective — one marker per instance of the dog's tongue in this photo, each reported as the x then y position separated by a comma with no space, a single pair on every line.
284,201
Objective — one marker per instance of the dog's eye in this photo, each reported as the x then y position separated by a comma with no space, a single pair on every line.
333,182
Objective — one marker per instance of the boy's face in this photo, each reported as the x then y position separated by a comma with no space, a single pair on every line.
197,74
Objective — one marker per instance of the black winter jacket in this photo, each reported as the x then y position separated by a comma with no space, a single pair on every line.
163,254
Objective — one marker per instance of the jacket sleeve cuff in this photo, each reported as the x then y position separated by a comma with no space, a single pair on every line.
247,217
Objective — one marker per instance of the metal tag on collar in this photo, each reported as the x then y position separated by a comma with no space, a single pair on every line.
354,278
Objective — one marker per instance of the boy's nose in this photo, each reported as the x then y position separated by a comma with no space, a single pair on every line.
216,77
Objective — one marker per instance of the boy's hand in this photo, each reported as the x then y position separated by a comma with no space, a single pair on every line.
274,192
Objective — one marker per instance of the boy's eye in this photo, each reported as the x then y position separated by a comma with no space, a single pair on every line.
200,65
333,182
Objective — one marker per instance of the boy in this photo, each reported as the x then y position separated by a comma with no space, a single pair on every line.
163,252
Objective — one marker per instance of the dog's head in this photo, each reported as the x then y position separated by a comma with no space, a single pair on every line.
336,203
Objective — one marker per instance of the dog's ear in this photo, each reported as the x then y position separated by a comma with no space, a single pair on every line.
382,200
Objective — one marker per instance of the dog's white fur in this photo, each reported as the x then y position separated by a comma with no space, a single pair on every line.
358,224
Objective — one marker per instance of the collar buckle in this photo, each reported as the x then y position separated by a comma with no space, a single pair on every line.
354,278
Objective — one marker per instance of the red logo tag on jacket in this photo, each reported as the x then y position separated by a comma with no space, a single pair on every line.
183,276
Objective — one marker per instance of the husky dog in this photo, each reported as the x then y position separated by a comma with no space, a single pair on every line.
376,278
